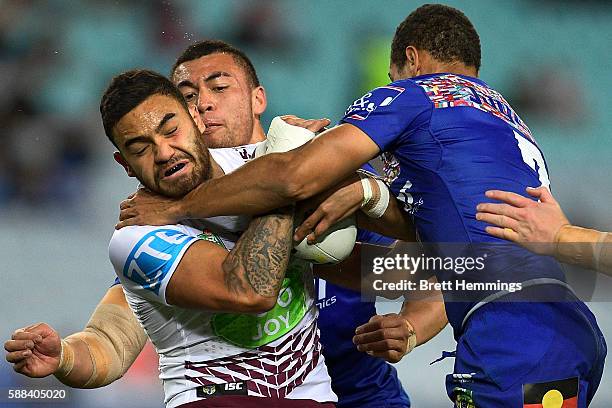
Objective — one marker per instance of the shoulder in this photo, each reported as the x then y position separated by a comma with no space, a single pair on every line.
156,241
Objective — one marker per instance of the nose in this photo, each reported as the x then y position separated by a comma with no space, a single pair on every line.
163,152
205,100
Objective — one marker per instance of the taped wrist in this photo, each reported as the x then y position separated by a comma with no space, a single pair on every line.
585,247
412,338
66,361
114,338
375,195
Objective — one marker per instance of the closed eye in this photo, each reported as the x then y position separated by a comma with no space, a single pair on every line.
190,97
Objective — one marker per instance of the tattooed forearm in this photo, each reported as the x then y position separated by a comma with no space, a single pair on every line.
261,255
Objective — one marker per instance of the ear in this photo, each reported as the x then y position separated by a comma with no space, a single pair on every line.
413,65
121,160
259,101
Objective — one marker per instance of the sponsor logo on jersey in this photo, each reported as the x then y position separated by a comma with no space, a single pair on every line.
217,390
153,257
322,300
381,96
561,393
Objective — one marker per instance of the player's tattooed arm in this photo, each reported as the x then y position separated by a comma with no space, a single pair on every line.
259,260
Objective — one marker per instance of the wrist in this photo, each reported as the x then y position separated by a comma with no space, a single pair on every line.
375,196
411,341
66,363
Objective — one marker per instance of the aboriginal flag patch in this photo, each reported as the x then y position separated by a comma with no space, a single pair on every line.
553,394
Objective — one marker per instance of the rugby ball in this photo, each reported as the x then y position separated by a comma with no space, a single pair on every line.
333,247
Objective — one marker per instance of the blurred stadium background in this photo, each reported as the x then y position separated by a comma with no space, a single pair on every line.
60,188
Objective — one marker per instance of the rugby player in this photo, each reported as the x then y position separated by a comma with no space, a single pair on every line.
167,271
541,227
359,379
448,137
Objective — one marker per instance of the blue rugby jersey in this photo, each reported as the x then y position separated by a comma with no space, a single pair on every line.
358,379
445,140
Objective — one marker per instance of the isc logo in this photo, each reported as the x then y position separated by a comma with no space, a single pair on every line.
153,256
233,386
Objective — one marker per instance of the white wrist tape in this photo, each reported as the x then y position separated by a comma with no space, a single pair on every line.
375,201
381,206
367,190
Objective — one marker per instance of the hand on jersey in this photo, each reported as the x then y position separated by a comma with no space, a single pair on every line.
34,351
146,208
530,223
328,208
387,336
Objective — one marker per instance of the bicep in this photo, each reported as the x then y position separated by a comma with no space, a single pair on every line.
199,280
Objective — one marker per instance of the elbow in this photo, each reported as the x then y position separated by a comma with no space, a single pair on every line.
254,303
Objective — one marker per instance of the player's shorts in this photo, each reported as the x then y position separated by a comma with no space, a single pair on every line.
527,354
241,401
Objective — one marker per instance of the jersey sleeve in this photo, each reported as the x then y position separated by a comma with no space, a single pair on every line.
145,257
388,112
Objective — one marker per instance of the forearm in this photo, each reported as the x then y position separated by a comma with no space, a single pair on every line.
240,194
426,315
585,247
257,264
346,274
103,351
395,223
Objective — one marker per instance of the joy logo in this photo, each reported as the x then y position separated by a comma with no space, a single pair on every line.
274,323
153,256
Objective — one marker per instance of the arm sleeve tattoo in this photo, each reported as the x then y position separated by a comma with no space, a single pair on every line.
259,260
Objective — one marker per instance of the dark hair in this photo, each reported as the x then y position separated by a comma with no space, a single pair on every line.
207,47
128,90
445,32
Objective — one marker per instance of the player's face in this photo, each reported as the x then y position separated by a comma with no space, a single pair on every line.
161,146
218,87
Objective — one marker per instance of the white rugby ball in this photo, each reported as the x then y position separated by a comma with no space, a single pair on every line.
333,247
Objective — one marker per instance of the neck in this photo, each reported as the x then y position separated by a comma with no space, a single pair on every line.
452,68
258,133
215,170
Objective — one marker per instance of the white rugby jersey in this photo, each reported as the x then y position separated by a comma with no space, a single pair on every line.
203,354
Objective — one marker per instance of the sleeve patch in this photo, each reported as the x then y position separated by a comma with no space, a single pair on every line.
154,256
381,96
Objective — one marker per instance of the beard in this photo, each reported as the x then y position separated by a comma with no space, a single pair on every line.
201,171
239,134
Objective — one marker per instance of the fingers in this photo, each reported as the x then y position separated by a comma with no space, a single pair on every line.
308,225
542,193
15,357
378,322
498,220
378,336
314,125
127,222
508,197
503,233
498,209
127,213
390,356
21,334
383,346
